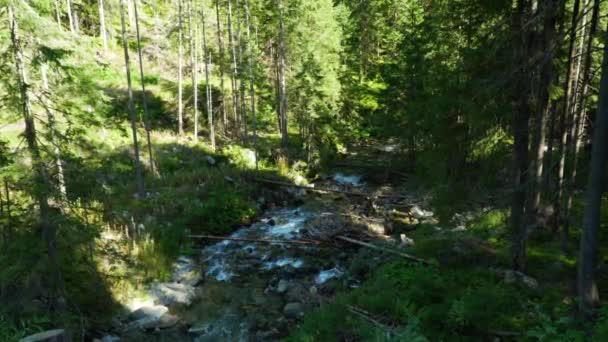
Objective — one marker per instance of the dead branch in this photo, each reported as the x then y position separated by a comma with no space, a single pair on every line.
369,245
368,317
350,193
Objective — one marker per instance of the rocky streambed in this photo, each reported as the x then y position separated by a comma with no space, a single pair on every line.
242,289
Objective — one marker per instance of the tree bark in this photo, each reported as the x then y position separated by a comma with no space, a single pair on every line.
70,16
234,76
579,117
57,12
51,127
587,287
220,63
545,46
563,121
242,100
138,169
144,95
520,126
193,67
282,81
251,82
207,59
180,81
102,26
43,188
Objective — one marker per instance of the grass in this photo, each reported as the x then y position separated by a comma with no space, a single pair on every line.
462,299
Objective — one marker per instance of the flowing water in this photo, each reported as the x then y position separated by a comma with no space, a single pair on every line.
240,290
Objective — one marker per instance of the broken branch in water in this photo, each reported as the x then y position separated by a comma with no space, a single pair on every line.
369,245
213,237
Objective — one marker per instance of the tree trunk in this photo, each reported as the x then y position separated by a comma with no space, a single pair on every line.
51,127
579,116
234,76
42,190
102,25
220,63
193,68
131,12
138,169
251,82
546,46
242,100
520,126
587,287
70,16
207,59
282,81
563,122
144,96
180,81
57,12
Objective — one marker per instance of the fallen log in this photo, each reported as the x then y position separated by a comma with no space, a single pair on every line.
213,237
350,193
369,245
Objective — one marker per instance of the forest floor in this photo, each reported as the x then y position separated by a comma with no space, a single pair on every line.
291,274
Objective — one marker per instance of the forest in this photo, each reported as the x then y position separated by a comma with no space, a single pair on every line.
303,170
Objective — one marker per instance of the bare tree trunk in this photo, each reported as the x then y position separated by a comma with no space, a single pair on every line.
542,111
194,69
587,287
57,12
234,76
282,81
207,59
138,171
251,81
180,81
70,17
220,63
242,100
51,128
579,116
144,96
277,89
48,227
76,19
131,12
102,25
520,126
563,120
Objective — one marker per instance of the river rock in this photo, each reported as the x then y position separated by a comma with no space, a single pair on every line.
293,310
282,286
172,293
147,317
148,311
56,335
405,241
421,214
297,292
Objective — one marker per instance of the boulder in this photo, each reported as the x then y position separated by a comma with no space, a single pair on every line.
293,310
56,335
